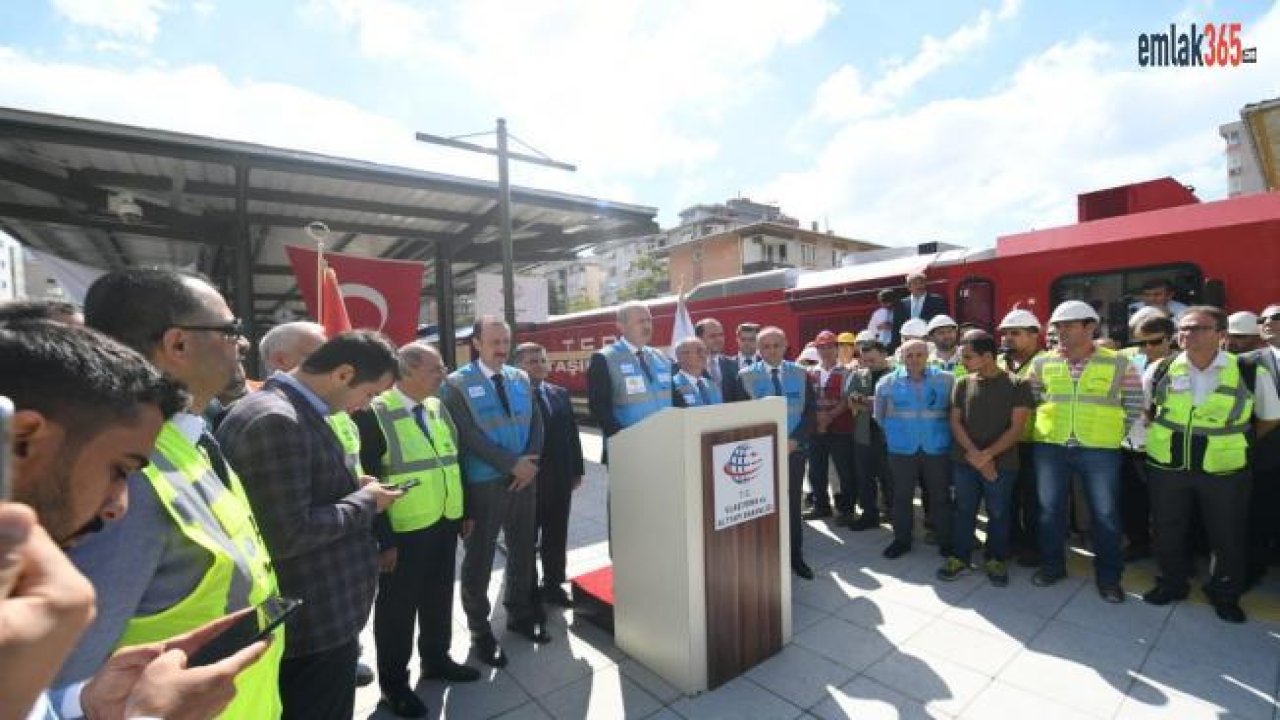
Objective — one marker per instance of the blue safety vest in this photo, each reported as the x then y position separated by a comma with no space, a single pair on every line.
636,397
511,432
916,416
757,381
690,391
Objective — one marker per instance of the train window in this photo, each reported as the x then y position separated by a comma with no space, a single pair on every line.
1116,295
975,303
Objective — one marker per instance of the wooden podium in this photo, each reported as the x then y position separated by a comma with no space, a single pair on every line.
702,591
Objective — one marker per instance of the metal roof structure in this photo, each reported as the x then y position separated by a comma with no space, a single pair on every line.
113,195
1263,122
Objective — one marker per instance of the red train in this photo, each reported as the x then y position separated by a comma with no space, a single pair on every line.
1225,253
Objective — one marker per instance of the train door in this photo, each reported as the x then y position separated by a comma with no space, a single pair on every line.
975,303
1117,294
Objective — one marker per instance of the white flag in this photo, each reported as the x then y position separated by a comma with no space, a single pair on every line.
681,327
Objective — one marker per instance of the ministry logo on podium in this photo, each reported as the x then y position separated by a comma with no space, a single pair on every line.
744,482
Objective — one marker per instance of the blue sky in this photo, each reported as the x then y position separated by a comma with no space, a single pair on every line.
893,122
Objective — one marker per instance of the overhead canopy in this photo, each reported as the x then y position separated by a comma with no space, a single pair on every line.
113,195
1263,121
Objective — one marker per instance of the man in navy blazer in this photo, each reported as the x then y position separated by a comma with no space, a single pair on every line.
560,470
721,368
919,303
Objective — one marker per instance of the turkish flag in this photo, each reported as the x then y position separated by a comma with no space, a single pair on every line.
333,312
378,294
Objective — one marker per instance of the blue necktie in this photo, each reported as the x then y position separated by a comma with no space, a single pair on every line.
502,393
644,365
702,391
777,384
419,416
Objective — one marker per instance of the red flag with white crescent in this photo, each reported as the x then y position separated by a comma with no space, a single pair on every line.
377,294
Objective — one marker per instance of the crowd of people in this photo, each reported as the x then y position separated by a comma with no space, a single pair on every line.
162,503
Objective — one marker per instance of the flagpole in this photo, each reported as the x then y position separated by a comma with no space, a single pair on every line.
318,232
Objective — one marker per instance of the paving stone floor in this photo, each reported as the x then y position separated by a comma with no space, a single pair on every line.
877,638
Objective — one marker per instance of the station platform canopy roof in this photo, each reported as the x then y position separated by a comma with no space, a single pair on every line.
112,195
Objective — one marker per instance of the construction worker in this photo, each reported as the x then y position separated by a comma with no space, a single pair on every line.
944,334
1088,397
1020,336
1201,403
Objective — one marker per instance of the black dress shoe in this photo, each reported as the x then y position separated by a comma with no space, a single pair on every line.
534,630
866,522
1229,611
555,595
897,549
404,703
450,671
1163,594
802,569
1111,593
364,675
818,513
488,650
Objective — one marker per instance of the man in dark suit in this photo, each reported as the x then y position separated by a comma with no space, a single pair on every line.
919,303
314,513
628,381
720,367
560,471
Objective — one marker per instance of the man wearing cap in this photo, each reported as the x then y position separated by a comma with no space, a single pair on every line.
722,369
1201,404
1264,507
919,304
773,375
870,465
832,439
944,334
1020,334
1242,333
1088,398
690,387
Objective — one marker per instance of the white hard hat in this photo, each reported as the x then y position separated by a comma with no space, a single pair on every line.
1073,310
941,321
1143,314
867,336
809,353
915,327
1242,323
1019,318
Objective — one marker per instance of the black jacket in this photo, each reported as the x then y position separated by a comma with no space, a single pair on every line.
934,304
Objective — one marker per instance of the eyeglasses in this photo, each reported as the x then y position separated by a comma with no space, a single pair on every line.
233,330
1274,317
1152,342
1188,329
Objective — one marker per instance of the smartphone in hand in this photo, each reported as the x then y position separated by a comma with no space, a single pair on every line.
251,628
406,485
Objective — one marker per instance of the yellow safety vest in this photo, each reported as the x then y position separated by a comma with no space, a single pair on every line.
410,454
1028,431
224,526
349,438
1212,438
1088,409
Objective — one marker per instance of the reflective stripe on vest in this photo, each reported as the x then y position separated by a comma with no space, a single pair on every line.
239,573
1028,430
692,398
1088,409
511,432
349,438
636,397
1212,438
757,381
410,455
916,417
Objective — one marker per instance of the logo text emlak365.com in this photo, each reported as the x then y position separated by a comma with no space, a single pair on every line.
1211,45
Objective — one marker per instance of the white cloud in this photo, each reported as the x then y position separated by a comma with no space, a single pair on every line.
1076,117
125,19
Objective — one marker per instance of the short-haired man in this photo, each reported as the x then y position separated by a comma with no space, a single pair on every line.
87,412
1020,338
188,551
722,369
1088,399
774,375
1264,505
1158,293
870,463
989,408
832,439
1198,440
919,304
316,514
407,436
628,381
912,405
502,437
881,322
746,334
690,387
1242,333
560,471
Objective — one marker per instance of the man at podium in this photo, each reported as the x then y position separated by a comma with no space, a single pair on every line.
773,375
690,387
628,381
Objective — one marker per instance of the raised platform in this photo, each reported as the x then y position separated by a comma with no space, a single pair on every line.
593,598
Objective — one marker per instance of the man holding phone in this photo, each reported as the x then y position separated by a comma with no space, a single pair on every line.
407,440
501,437
87,412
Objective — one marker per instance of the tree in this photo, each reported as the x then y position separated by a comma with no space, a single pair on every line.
650,281
580,302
